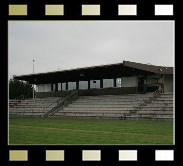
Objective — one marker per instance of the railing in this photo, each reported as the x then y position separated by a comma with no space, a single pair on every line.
62,103
149,99
58,101
157,92
44,108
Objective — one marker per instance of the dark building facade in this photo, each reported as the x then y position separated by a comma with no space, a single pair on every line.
120,78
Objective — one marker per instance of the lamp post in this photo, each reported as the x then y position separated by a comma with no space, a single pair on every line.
33,84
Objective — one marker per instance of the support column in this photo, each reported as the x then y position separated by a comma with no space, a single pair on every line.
77,85
56,87
145,84
88,84
66,85
51,87
101,83
163,84
114,82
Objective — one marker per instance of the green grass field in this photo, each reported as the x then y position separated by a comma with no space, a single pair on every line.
88,131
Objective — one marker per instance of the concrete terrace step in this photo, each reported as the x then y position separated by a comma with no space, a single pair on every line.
118,109
97,109
142,106
157,105
25,112
132,106
106,102
100,106
115,98
26,115
166,96
26,109
112,98
151,116
164,99
116,115
144,117
34,105
119,112
38,102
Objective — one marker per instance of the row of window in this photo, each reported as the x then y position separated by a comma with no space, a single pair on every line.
107,83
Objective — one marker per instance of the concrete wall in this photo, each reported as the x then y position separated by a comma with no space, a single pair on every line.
168,83
52,94
129,81
108,91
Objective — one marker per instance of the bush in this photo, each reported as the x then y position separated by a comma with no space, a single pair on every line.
18,88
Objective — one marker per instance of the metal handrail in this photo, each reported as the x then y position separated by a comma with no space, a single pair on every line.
60,103
157,92
154,95
43,108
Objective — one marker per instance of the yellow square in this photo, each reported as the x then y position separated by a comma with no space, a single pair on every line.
54,10
18,155
91,155
90,10
17,10
54,155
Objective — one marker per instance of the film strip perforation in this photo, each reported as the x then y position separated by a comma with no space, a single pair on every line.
89,155
123,9
100,154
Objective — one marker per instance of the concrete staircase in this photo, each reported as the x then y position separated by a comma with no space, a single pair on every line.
32,107
161,108
131,106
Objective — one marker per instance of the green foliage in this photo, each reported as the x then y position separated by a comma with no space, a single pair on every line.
88,131
18,88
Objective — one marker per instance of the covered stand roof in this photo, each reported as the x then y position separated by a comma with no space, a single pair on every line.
125,69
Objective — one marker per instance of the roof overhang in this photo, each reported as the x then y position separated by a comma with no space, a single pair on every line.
125,69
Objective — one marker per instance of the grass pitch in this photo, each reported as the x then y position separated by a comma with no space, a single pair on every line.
88,131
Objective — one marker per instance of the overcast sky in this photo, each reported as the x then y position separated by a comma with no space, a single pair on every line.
59,45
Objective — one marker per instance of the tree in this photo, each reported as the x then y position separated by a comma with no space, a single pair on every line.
18,88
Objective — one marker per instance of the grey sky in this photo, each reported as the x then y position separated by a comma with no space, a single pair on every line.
58,45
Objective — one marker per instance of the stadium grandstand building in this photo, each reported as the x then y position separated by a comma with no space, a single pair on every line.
127,77
125,90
